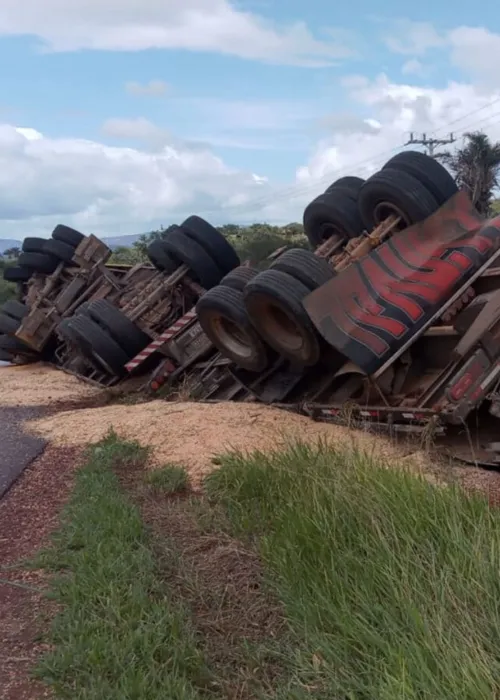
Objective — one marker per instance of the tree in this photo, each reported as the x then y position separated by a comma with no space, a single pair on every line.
12,252
476,167
146,238
255,242
124,255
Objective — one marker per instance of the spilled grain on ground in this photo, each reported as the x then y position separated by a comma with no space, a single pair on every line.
40,385
191,434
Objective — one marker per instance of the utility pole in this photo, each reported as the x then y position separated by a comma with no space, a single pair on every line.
430,143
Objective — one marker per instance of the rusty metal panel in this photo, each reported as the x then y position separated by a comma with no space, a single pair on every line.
37,328
91,251
189,343
484,321
34,287
467,388
69,293
378,303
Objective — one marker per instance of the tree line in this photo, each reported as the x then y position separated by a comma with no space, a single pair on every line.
254,242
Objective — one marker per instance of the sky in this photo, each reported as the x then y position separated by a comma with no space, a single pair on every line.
117,116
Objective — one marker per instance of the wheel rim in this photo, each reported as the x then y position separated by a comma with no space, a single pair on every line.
383,210
281,330
103,364
232,337
327,230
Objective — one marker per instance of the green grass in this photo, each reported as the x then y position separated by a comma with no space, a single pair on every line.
118,635
391,586
7,289
169,479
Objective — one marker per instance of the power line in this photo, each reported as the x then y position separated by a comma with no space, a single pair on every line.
467,114
294,191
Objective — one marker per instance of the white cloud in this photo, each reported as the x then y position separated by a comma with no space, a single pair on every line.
197,25
253,115
243,124
347,123
413,67
413,38
155,88
139,129
109,190
476,51
397,109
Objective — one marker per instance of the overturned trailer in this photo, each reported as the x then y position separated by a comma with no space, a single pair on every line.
399,328
405,337
91,317
393,320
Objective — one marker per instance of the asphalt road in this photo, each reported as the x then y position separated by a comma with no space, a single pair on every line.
17,449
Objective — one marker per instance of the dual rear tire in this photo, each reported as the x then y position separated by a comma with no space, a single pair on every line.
43,255
264,315
104,335
411,185
197,244
267,314
108,338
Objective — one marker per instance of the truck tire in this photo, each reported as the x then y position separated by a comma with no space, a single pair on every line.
305,267
185,250
160,258
60,250
394,192
214,243
273,300
429,172
15,309
64,330
223,317
17,274
331,213
123,331
14,346
83,308
349,184
67,235
96,344
33,245
8,325
39,262
238,278
5,356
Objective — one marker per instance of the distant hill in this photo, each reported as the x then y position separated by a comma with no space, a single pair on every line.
6,243
112,241
119,241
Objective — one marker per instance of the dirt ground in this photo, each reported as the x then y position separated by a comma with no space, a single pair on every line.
28,515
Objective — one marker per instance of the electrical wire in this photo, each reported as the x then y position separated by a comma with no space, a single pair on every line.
319,185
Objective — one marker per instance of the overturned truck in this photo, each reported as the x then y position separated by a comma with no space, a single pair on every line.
394,319
90,317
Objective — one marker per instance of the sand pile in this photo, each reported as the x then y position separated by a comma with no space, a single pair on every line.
192,434
40,385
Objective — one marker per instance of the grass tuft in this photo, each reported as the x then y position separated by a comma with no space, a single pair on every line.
391,586
170,479
118,635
